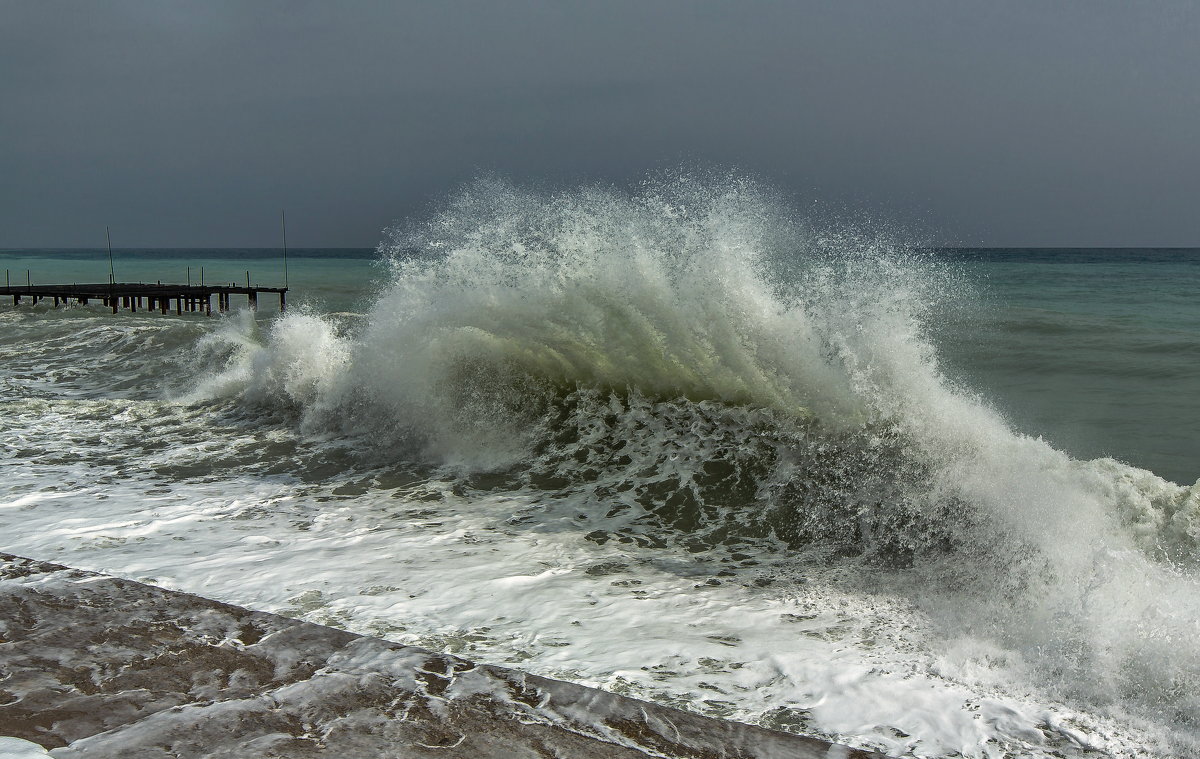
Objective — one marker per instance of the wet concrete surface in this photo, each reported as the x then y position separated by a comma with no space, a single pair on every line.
93,666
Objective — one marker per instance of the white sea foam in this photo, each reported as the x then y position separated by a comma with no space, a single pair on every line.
16,748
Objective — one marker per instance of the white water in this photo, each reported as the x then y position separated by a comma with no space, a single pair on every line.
674,445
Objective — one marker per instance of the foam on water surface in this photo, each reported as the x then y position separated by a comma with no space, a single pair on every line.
16,748
460,577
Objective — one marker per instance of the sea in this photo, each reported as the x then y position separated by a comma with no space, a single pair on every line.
688,442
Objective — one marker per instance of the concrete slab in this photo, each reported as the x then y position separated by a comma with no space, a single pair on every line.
95,667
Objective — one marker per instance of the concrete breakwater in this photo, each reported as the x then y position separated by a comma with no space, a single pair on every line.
93,666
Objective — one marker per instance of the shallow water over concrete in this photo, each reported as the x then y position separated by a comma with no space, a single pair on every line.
95,666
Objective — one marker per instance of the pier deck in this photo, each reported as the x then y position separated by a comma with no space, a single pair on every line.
132,295
102,668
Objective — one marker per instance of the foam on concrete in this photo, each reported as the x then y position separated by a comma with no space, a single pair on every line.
94,666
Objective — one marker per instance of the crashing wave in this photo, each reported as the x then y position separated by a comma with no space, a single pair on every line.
701,368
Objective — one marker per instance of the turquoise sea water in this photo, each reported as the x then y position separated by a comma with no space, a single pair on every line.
1096,350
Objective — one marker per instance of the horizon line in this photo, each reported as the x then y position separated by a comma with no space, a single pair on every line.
4,250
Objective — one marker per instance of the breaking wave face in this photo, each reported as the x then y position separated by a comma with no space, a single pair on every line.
702,369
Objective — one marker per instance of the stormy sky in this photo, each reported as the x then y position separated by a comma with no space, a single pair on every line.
979,122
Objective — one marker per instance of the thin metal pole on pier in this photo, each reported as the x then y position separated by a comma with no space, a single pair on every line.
283,222
112,277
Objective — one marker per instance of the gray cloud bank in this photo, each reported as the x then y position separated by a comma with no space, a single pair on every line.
996,123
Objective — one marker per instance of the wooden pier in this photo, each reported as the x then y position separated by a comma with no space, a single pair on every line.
132,296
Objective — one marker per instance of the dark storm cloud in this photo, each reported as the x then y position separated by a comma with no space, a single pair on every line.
179,124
